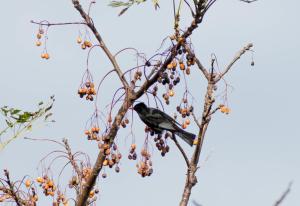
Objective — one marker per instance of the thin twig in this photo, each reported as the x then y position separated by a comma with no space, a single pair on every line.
196,120
46,23
200,66
237,57
284,194
181,150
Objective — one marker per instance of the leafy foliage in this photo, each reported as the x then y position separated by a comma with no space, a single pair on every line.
130,3
19,121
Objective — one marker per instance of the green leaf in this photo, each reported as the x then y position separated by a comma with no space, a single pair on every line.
24,117
118,3
15,111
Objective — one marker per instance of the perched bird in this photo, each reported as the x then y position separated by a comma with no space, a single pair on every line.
159,121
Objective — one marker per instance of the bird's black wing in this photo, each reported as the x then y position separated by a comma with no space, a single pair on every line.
163,120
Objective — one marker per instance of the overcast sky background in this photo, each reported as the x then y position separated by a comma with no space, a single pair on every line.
253,153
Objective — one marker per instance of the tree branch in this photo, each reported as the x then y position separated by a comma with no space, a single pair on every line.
90,24
46,23
200,66
237,57
11,191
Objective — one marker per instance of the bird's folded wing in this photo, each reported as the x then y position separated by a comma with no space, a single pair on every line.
167,125
154,118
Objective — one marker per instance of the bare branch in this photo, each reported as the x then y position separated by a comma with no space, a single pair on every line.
200,66
73,161
284,194
11,190
196,120
46,23
237,57
90,24
181,150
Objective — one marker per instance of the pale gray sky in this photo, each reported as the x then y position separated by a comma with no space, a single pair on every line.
254,152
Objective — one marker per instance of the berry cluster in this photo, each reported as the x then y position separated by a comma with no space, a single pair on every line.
132,153
60,199
124,122
84,44
86,173
113,156
47,184
185,111
161,143
88,88
39,36
92,134
171,80
145,165
224,109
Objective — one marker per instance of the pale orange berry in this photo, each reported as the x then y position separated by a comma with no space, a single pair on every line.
40,180
46,56
79,40
182,66
223,109
92,193
184,126
187,121
38,43
39,36
133,146
105,162
195,142
50,183
169,66
171,93
27,183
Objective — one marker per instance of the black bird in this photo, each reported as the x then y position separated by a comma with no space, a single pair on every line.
159,121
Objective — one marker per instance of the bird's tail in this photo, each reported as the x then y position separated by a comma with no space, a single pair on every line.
186,136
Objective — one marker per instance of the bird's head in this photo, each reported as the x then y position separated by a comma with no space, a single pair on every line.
140,107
